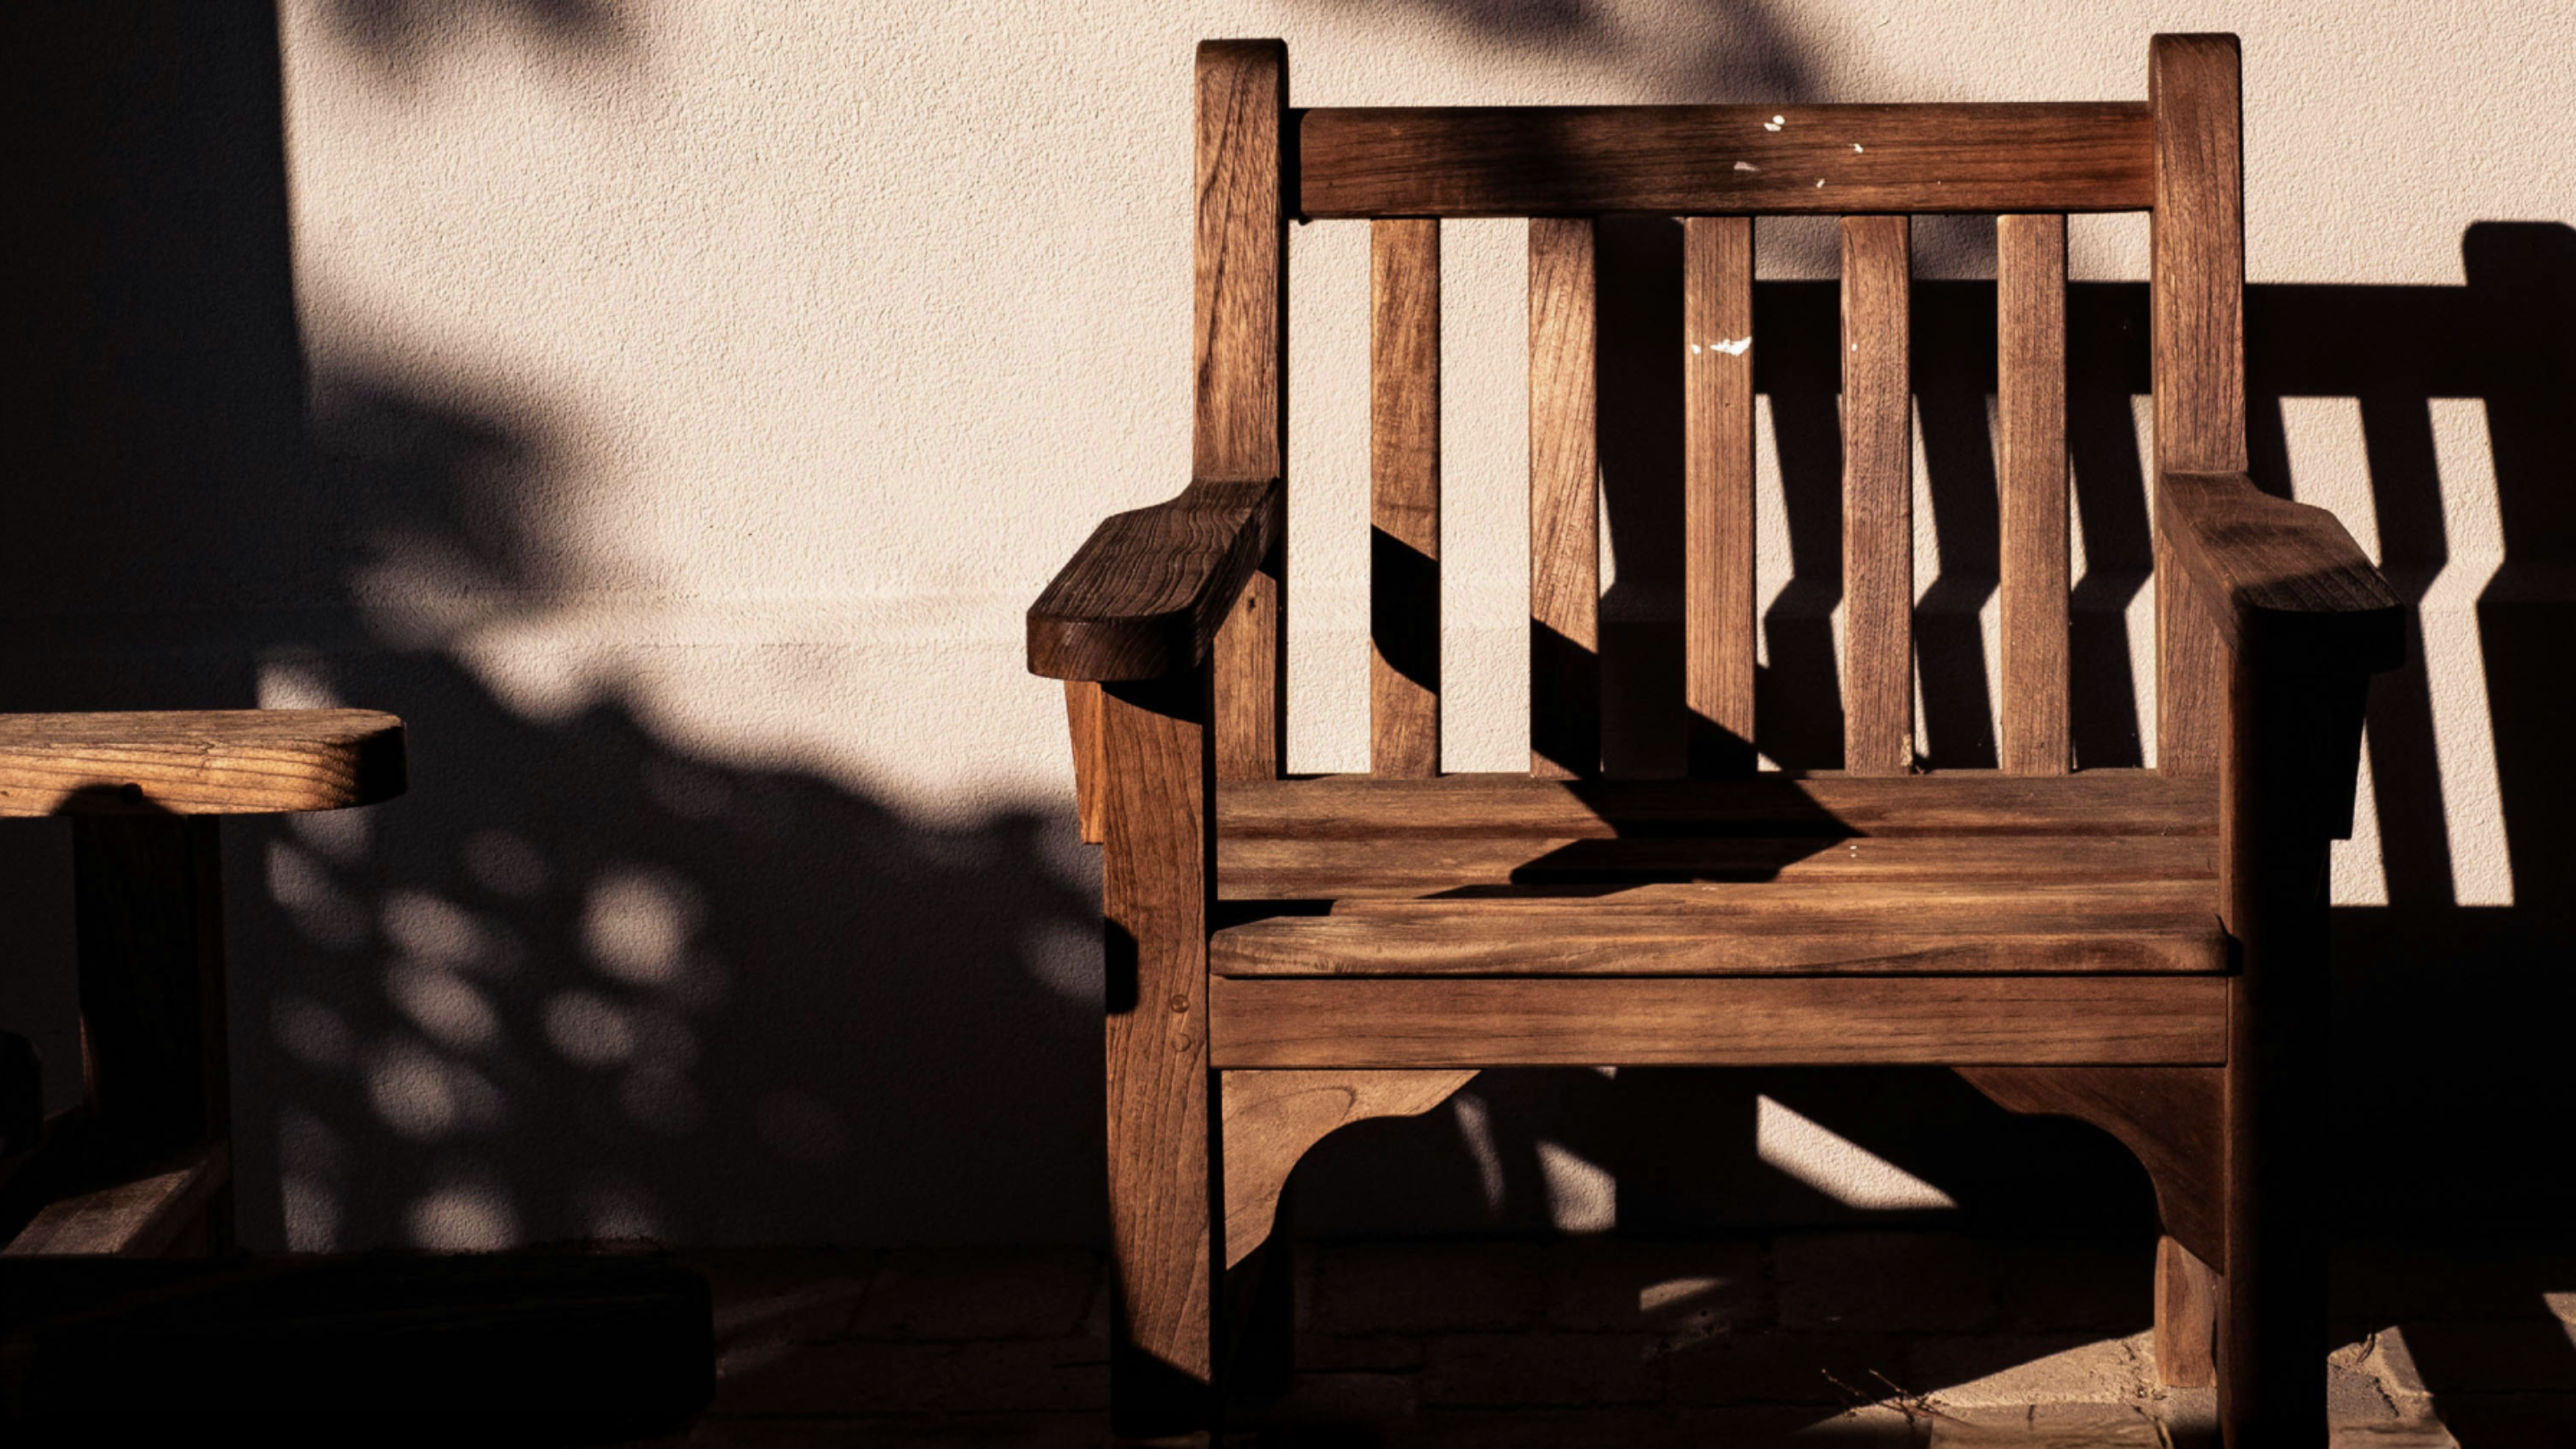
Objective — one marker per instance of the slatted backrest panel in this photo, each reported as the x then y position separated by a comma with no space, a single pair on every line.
1717,166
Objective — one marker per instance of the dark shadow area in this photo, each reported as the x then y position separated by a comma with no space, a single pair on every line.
582,982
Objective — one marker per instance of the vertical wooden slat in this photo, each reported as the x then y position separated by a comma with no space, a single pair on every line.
2198,269
1878,499
1157,879
1565,517
1239,335
1082,717
1404,497
1717,491
2030,307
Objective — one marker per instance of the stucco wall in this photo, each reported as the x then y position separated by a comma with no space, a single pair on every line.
670,408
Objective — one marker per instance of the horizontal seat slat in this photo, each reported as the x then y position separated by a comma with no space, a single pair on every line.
1725,1021
1687,160
1827,805
1324,868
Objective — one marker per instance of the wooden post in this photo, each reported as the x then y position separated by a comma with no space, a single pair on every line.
1158,875
148,909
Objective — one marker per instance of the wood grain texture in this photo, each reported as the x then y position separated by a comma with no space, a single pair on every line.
1565,502
1239,356
198,762
1082,720
1404,497
1239,300
1400,866
2197,281
1717,493
2188,1293
143,1216
1878,498
1272,1118
1144,595
1824,804
1773,931
1686,160
2030,477
2170,1118
1155,880
2282,582
1249,662
1733,1021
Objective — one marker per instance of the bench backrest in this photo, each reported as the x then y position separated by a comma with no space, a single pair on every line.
1259,164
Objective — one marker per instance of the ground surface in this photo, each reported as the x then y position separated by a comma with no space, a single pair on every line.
1827,1338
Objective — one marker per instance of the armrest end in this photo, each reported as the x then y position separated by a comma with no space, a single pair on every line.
2284,581
1143,596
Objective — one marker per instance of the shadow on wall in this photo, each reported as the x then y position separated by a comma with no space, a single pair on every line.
579,983
582,982
2446,1015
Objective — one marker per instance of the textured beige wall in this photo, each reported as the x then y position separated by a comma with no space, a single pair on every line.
702,390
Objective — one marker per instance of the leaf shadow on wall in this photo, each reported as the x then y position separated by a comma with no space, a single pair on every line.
580,982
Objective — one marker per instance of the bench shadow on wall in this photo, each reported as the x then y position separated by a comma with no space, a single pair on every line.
584,982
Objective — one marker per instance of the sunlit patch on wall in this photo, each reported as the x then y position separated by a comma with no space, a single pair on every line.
637,925
1582,1196
448,1008
313,1164
440,931
1836,1166
425,1096
464,1218
1476,1132
311,1032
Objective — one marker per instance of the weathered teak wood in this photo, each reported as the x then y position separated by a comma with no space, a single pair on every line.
1827,804
1717,492
1082,719
2140,949
1723,1021
2188,1293
1239,357
1156,874
1399,866
1144,595
1878,499
142,1217
198,762
2030,476
1404,497
1271,1118
2198,269
1695,160
1565,502
1739,931
2280,582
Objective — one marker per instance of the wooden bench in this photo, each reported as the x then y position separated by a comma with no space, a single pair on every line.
142,1167
2142,949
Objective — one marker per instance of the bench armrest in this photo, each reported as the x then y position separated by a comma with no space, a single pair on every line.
198,762
2283,581
1144,595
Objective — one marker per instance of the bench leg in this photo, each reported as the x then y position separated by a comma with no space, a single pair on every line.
1157,871
148,910
2188,1294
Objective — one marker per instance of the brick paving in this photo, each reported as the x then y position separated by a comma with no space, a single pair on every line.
1824,1339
